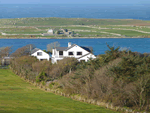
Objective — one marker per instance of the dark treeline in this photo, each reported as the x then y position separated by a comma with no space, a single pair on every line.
118,77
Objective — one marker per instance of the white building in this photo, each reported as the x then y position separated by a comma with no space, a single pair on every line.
50,31
39,54
79,52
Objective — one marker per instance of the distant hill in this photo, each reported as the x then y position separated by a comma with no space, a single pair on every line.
52,21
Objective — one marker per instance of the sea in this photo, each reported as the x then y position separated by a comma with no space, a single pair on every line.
98,11
141,45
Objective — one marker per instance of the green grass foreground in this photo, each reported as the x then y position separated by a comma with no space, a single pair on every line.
17,96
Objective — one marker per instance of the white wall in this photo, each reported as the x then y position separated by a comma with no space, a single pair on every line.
87,57
55,53
76,49
43,56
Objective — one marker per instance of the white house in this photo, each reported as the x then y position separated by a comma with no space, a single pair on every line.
39,54
78,52
50,31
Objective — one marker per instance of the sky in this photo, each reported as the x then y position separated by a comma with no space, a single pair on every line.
74,1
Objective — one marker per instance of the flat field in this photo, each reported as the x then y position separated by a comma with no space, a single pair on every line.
17,96
81,27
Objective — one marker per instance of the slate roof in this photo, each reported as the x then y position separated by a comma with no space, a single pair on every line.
61,48
34,50
89,49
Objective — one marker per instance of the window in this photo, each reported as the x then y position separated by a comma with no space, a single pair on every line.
70,53
60,52
39,53
79,53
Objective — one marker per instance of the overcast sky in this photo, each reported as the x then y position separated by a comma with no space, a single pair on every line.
75,1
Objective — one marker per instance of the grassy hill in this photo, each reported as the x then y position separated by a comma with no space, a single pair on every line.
17,96
52,21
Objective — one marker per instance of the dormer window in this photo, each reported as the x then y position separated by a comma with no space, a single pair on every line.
39,53
70,53
79,53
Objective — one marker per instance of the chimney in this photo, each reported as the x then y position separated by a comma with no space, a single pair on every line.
69,44
30,48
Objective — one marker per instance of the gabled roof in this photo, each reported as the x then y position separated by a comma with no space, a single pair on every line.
61,48
70,47
89,49
84,55
34,50
67,48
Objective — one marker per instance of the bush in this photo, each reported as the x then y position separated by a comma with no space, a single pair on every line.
131,68
23,66
67,65
41,77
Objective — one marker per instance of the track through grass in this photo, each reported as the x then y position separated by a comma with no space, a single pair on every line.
17,96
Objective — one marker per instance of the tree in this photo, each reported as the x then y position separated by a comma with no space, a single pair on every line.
143,86
25,50
112,53
52,45
45,51
141,93
5,51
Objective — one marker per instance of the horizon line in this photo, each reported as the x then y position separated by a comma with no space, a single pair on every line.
80,3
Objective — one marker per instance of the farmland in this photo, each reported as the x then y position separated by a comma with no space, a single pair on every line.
81,27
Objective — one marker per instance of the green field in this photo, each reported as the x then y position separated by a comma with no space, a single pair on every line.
25,26
35,32
125,32
17,96
91,33
52,21
27,30
80,28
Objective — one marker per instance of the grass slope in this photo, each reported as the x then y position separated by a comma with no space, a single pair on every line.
17,96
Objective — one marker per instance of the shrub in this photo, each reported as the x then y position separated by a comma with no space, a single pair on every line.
41,77
67,65
131,68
